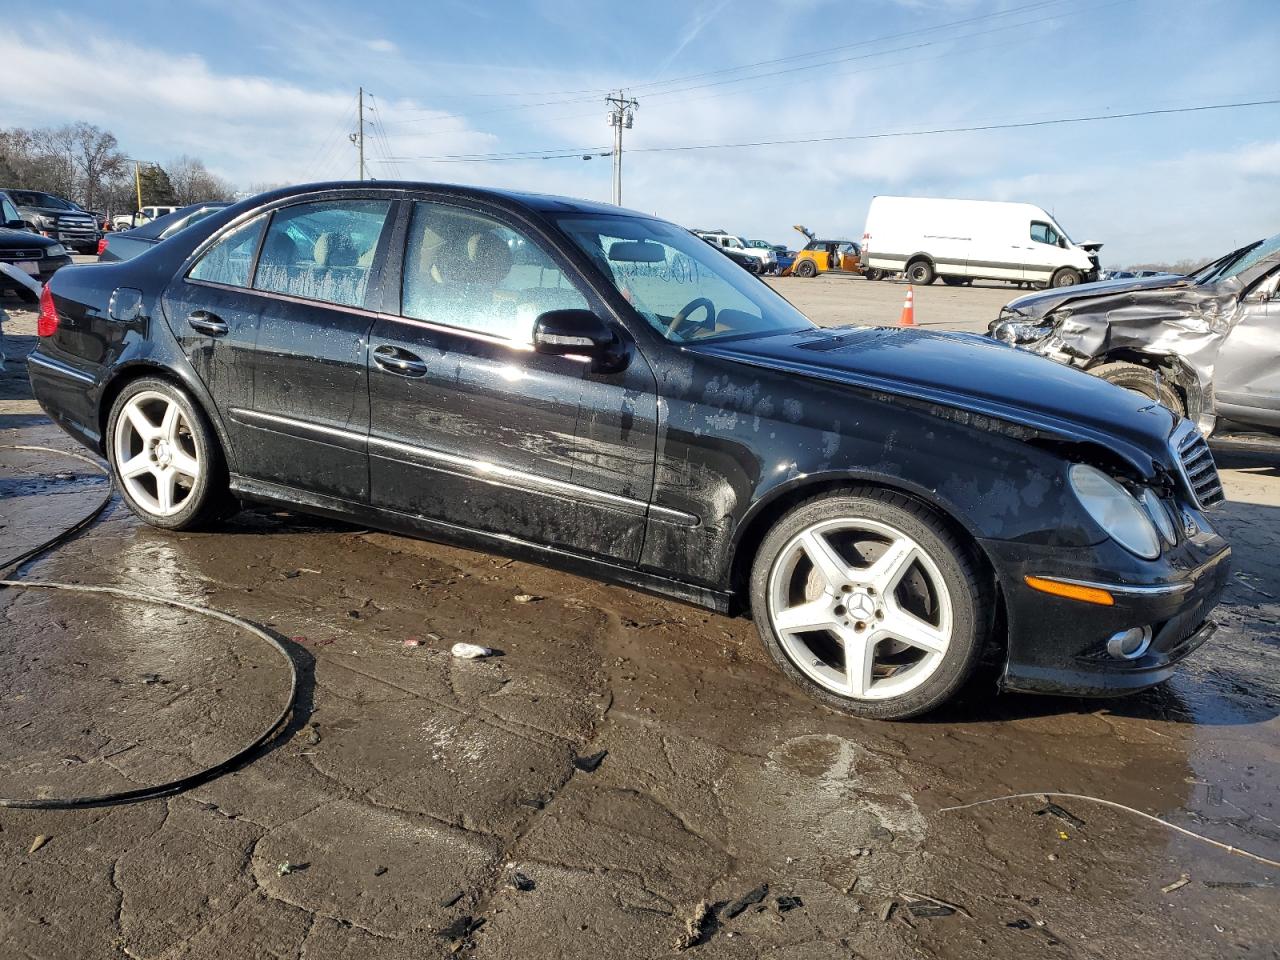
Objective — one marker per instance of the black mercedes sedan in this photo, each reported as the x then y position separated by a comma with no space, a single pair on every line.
576,384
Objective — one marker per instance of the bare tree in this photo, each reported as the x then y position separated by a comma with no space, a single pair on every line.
98,161
193,182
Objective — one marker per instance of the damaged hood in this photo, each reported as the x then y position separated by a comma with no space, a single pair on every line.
1036,305
971,373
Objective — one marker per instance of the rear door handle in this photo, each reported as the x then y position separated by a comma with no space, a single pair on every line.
207,322
400,362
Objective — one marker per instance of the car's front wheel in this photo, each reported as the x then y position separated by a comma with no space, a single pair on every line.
870,603
165,456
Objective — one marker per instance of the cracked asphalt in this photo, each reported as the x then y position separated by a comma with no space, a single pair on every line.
422,806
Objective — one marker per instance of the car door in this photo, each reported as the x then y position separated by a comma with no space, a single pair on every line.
471,427
310,406
1041,253
1247,373
213,314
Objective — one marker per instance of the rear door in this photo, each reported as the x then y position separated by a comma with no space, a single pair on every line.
469,426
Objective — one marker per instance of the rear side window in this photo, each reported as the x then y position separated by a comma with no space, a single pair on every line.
322,251
230,260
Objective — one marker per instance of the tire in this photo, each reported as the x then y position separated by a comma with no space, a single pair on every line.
806,268
955,281
1066,277
921,272
1143,380
165,457
937,582
873,274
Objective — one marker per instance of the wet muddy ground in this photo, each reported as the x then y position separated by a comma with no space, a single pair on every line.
627,766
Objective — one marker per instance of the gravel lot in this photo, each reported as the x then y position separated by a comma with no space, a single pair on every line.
628,765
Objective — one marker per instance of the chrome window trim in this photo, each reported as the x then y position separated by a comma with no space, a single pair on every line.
57,366
470,467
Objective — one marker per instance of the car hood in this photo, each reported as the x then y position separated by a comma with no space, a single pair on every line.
971,373
12,239
1035,305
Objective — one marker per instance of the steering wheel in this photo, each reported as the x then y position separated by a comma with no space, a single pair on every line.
681,318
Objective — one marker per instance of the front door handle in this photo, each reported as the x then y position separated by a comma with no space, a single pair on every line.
207,322
400,362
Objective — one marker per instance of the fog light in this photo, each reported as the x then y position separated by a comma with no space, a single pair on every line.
1129,644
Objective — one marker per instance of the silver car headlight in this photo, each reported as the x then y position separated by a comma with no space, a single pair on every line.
1115,510
57,250
40,220
1019,331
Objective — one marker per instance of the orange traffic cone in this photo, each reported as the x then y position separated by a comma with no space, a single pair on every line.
908,318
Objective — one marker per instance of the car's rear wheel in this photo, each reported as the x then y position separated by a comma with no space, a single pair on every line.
870,603
1066,277
1143,380
955,281
806,268
165,456
921,272
873,274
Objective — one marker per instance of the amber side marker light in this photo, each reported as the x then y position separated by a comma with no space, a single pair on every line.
1071,591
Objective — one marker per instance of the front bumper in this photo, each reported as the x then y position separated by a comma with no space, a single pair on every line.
1058,645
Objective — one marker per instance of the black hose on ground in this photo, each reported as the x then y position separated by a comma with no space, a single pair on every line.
182,783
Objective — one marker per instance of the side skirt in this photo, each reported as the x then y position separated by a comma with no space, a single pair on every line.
393,521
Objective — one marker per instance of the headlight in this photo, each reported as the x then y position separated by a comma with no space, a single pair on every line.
40,220
1016,331
1160,515
1115,510
57,250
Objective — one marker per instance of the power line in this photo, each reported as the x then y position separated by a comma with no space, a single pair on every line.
1027,8
566,152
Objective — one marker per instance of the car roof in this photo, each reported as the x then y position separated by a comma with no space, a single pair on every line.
544,203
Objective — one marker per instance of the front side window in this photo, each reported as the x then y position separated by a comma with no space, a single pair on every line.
463,269
685,290
9,211
230,260
322,250
1043,233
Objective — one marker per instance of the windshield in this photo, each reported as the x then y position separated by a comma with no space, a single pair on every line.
684,288
1238,261
31,198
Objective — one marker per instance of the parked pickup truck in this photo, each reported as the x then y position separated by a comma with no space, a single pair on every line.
764,257
56,218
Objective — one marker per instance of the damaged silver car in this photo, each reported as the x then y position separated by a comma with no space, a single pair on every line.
1206,345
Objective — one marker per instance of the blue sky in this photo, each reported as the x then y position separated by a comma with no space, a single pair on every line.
265,93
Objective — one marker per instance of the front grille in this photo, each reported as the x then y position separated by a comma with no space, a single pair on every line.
13,256
1198,468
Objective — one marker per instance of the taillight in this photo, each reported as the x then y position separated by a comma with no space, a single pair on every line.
47,322
102,245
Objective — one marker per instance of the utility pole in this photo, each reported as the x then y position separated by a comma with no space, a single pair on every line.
621,114
137,182
358,137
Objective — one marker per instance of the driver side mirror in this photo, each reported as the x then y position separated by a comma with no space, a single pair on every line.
17,225
579,333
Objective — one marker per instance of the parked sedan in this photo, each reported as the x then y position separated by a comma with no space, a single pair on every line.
129,243
583,386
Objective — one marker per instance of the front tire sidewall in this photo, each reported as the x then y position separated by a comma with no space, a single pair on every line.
208,495
921,273
1066,277
968,600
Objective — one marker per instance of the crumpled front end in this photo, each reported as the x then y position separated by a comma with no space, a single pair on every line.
1179,329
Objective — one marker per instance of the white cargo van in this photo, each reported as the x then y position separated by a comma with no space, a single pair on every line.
963,240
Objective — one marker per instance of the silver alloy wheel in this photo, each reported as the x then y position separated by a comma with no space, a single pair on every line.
155,453
860,608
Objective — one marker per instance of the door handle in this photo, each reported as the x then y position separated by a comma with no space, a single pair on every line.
207,322
400,362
